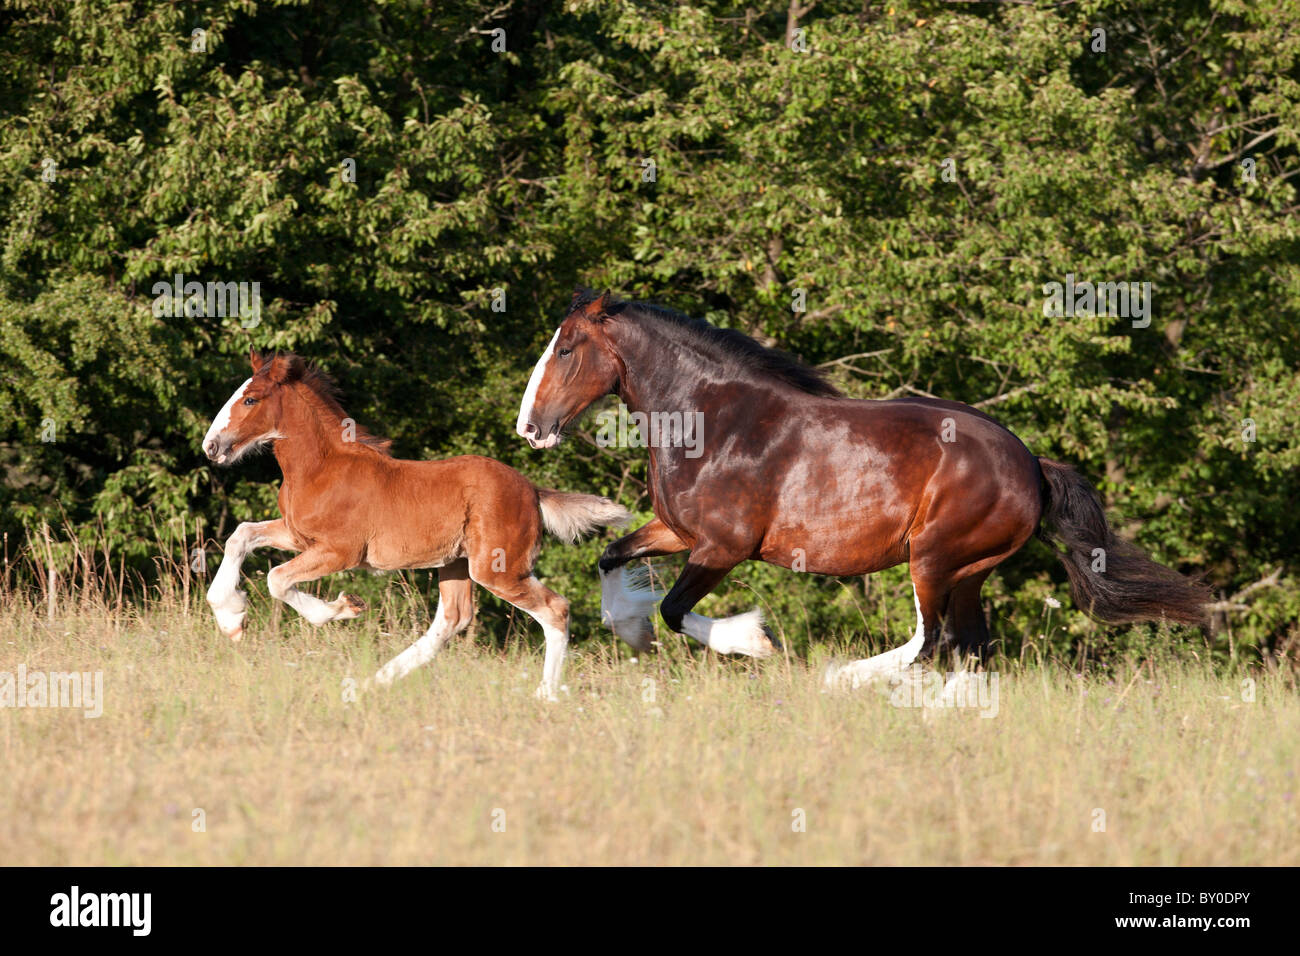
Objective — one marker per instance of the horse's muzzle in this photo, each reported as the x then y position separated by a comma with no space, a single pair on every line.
530,431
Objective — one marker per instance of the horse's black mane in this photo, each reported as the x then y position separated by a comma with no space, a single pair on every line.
732,348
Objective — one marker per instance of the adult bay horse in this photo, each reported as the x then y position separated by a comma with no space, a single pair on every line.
787,470
345,503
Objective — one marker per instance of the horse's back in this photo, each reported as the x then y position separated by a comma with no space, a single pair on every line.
858,481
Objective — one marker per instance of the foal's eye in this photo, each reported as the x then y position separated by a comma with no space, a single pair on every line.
565,351
250,401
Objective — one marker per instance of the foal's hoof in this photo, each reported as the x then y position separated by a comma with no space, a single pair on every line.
777,646
350,606
230,623
833,677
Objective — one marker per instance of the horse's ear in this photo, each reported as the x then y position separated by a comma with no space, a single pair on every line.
255,359
603,305
286,368
582,299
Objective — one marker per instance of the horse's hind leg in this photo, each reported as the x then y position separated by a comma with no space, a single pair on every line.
454,613
965,629
519,587
931,599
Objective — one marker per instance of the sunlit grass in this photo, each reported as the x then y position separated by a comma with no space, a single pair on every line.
679,757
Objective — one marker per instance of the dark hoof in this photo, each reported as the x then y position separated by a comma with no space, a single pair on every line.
776,641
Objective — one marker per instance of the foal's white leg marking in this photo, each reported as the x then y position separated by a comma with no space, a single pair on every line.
530,393
738,634
222,421
626,604
228,603
557,643
891,662
421,652
315,610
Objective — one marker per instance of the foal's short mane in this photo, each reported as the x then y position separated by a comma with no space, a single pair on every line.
734,349
326,393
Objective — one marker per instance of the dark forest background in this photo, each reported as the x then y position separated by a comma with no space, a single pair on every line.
917,170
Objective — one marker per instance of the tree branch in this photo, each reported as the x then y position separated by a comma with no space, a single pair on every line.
1234,603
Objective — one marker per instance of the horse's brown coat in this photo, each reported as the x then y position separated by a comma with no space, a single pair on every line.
794,474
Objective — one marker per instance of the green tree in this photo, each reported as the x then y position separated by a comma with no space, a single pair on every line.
881,188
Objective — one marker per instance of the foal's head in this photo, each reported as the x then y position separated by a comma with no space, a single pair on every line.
578,367
253,414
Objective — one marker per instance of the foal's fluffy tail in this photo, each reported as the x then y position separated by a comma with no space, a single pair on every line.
1110,578
569,516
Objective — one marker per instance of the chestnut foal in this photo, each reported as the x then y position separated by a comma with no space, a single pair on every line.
345,503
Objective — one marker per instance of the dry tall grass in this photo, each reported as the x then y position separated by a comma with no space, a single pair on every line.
678,758
673,759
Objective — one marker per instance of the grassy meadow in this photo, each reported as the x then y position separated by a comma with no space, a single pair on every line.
213,753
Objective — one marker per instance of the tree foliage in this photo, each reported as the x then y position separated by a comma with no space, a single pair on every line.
913,173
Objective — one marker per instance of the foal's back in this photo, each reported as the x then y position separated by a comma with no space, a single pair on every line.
395,513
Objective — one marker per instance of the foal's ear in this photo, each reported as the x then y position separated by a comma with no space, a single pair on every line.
285,368
255,359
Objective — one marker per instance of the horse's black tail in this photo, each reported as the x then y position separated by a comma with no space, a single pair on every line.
1111,579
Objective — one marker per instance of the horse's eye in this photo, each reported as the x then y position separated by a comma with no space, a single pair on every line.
565,351
250,401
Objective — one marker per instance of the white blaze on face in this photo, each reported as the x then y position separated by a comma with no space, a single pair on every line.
222,421
530,395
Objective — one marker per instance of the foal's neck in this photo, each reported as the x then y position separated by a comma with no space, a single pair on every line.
309,435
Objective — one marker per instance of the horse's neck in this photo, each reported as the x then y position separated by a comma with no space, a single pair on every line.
304,444
663,379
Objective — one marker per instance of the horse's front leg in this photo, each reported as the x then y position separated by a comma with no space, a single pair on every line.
652,540
626,603
229,604
316,562
739,634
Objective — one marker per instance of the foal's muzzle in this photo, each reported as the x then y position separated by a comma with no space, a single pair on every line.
217,450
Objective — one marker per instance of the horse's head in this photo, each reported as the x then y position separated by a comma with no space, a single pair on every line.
578,367
252,415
